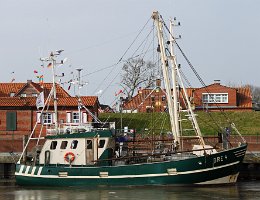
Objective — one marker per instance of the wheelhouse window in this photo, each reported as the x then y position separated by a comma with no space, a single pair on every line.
53,145
74,144
89,144
215,98
101,143
63,144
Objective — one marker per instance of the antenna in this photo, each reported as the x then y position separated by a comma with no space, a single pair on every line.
78,80
52,59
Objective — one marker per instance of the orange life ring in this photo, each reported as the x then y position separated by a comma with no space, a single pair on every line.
69,157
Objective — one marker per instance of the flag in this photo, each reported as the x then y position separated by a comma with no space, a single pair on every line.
69,87
40,79
40,100
120,91
49,65
35,71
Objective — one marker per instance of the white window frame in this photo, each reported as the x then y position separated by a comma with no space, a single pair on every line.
49,119
12,94
84,117
214,98
73,119
38,117
68,117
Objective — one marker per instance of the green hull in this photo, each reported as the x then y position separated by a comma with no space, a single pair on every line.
221,167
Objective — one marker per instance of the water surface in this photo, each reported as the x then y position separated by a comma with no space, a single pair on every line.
242,190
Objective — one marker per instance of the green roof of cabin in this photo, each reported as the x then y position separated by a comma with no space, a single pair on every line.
103,133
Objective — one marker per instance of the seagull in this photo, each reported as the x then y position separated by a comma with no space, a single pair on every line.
59,51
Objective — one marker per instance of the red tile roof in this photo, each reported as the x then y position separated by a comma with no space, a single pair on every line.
244,97
7,88
59,90
62,101
73,101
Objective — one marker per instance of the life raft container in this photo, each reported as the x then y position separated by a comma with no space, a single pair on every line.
69,157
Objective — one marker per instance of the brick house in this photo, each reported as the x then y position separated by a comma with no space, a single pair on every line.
212,97
18,112
215,96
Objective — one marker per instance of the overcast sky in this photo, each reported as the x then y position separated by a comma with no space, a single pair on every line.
221,38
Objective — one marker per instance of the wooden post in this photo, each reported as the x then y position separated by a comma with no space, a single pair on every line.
25,140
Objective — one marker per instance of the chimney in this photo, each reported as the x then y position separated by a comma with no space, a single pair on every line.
217,82
158,82
29,81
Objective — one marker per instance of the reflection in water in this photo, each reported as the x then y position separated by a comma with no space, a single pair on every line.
243,190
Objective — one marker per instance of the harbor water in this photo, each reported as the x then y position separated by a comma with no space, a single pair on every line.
241,190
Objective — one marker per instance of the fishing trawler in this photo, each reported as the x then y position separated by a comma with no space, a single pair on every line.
96,154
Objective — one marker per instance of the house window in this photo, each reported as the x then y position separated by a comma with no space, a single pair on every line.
149,109
12,94
163,98
47,118
84,117
68,117
215,98
34,95
11,121
75,117
23,95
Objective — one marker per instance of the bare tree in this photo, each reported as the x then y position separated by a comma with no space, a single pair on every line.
255,90
137,73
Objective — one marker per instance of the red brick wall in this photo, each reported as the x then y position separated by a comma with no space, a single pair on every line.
155,101
23,122
26,120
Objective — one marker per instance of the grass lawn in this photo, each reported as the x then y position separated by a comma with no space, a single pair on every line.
248,123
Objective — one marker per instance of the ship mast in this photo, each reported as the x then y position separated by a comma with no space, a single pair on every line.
52,58
174,83
165,70
172,99
79,100
53,63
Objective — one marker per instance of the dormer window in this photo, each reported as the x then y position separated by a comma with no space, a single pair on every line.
215,98
34,95
23,95
12,94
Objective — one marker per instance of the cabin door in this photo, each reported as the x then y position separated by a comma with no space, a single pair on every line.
89,151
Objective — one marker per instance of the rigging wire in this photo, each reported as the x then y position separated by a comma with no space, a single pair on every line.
119,61
192,68
134,40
